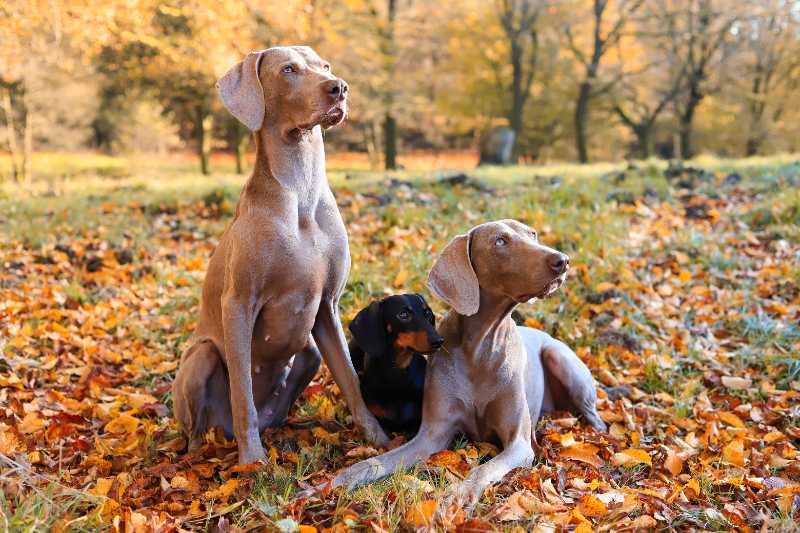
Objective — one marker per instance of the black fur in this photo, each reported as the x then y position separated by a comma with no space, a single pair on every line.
392,393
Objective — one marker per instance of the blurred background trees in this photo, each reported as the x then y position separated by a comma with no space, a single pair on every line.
573,79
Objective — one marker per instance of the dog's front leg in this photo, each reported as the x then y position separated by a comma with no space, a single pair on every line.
330,338
237,322
428,440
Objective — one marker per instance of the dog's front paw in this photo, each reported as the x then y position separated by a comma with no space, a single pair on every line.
465,496
252,452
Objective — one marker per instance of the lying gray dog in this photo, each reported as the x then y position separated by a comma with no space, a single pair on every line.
492,379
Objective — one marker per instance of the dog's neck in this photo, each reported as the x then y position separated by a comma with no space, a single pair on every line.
489,324
293,162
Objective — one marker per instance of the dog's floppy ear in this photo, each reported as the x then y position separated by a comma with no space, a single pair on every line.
453,279
241,91
369,331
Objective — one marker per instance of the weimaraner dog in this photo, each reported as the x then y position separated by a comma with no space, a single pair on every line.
272,289
493,378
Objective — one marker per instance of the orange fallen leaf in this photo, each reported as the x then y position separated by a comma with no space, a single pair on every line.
421,514
124,423
733,452
631,457
673,464
731,419
582,451
692,489
590,505
31,423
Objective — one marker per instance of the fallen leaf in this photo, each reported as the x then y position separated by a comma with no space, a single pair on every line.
672,463
631,457
421,514
733,452
583,452
736,383
590,505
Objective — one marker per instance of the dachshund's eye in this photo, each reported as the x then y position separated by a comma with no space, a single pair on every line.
535,235
289,69
404,315
500,241
326,67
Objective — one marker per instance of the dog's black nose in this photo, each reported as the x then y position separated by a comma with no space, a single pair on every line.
437,343
336,88
558,263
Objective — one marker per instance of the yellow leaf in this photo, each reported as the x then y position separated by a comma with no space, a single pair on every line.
102,486
733,452
692,489
400,278
631,457
31,423
685,276
421,514
9,443
302,528
591,506
604,286
582,451
731,419
224,491
124,423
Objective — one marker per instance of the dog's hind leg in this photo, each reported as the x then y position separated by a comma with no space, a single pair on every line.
199,393
304,367
561,363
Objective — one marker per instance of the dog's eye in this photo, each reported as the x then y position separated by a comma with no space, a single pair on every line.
289,69
535,235
500,241
326,67
404,315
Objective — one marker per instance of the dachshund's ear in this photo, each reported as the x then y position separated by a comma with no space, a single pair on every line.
453,279
241,91
369,330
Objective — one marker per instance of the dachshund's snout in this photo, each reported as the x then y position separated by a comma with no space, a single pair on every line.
437,342
558,263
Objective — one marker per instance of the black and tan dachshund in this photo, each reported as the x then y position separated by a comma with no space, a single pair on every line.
390,339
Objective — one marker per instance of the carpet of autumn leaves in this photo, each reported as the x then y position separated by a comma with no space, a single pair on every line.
684,293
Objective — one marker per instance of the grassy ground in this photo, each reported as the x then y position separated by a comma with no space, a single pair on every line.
684,288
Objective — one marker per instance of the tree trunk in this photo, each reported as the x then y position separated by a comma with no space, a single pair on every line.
390,142
685,133
581,117
242,136
204,124
27,141
644,136
517,98
11,134
389,123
